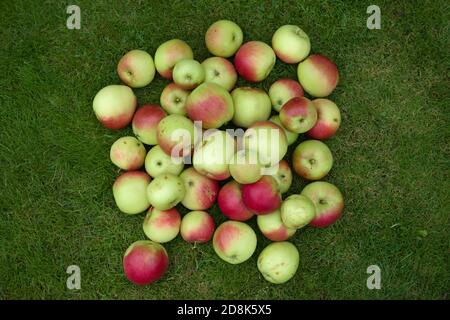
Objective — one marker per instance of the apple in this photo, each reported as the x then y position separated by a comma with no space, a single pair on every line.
245,167
297,211
188,74
162,225
220,71
231,204
254,61
128,153
318,75
213,155
168,54
136,69
328,119
158,162
197,227
201,191
223,38
165,191
263,196
211,104
114,106
283,90
175,135
234,241
129,192
273,228
278,262
250,105
283,176
291,44
145,122
173,99
145,262
328,201
298,115
291,137
312,159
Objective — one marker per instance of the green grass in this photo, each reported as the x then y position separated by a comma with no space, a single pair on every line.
391,153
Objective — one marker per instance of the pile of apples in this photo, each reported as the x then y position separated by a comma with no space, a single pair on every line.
183,130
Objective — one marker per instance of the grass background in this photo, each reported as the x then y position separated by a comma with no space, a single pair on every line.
391,153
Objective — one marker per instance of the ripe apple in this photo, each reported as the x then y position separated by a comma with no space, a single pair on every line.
220,71
298,115
175,135
114,106
162,225
173,99
129,192
223,38
201,191
231,204
136,69
245,167
273,228
291,137
263,196
278,262
158,162
283,176
318,75
168,54
145,121
328,200
312,159
165,191
283,90
188,73
250,105
254,61
291,44
328,119
211,104
128,153
234,241
145,262
297,211
197,226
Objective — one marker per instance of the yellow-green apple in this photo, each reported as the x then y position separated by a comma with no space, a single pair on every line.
263,196
223,38
128,153
220,71
231,204
234,241
254,61
291,137
328,119
318,75
273,228
145,262
278,262
130,192
283,175
114,106
197,227
136,69
213,155
250,105
168,54
162,225
201,191
165,191
145,122
283,90
173,99
328,200
245,167
297,211
291,44
188,73
158,162
211,104
298,115
312,159
175,135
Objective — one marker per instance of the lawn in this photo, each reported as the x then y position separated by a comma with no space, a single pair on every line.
391,152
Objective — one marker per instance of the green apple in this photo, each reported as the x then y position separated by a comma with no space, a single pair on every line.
145,122
272,226
278,262
168,54
175,135
283,176
298,115
291,137
136,69
158,162
283,90
173,99
254,61
162,225
312,159
223,38
197,227
188,73
129,192
291,44
128,153
165,191
297,211
201,191
220,71
245,167
250,105
318,75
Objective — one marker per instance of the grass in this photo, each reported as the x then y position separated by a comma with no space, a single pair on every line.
391,153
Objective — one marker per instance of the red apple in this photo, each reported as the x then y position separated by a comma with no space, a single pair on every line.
263,196
283,90
197,226
254,61
328,119
168,54
128,153
231,204
298,115
145,122
162,225
272,226
201,191
318,75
